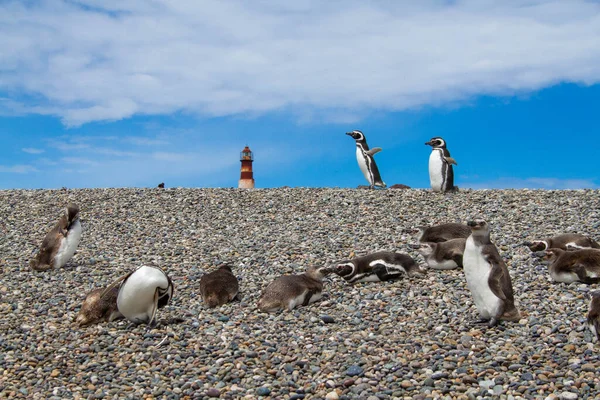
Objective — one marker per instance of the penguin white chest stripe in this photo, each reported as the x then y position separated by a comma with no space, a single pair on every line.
437,170
391,268
364,164
68,245
477,271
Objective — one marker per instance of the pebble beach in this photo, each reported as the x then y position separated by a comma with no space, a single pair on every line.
414,338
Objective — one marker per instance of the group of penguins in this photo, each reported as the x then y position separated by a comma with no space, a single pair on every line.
138,295
441,174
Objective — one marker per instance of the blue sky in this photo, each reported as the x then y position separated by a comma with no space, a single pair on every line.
140,92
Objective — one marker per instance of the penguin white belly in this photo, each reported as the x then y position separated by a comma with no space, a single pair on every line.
365,278
362,163
136,299
594,334
564,277
444,264
477,272
299,300
68,245
436,177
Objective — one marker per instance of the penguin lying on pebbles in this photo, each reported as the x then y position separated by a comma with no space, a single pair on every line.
365,159
443,255
289,291
443,232
141,293
487,276
377,267
593,316
96,308
574,266
567,241
60,243
219,286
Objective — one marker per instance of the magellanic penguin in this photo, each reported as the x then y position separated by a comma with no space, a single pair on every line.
487,276
574,266
365,159
443,255
289,291
593,316
60,243
96,308
566,241
141,293
441,174
443,232
219,286
377,267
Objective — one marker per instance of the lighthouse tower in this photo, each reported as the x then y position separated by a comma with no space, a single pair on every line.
246,178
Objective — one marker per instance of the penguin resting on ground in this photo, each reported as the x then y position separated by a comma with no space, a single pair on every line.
289,291
593,316
443,255
443,232
141,293
574,266
60,243
487,276
377,267
219,286
365,159
96,308
566,241
441,174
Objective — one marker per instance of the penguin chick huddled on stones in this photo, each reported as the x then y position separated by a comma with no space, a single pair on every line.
141,293
593,316
289,291
377,267
60,243
487,276
566,241
365,159
574,266
219,286
443,232
96,308
441,174
443,255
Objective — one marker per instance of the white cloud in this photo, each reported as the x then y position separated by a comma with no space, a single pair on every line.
533,183
18,169
334,59
32,150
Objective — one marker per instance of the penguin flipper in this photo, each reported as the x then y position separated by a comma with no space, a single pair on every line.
114,284
154,307
450,160
373,151
458,258
495,279
583,276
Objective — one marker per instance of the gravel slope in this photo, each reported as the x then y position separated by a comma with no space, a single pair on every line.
412,338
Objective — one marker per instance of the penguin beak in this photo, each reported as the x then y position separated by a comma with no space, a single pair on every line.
471,224
429,143
414,245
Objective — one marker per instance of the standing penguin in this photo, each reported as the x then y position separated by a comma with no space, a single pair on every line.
377,267
487,276
441,174
289,291
219,287
60,243
141,293
593,316
365,159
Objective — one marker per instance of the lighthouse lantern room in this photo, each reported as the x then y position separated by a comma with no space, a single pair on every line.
246,175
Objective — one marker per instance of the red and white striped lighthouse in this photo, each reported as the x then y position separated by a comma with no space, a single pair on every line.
246,177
